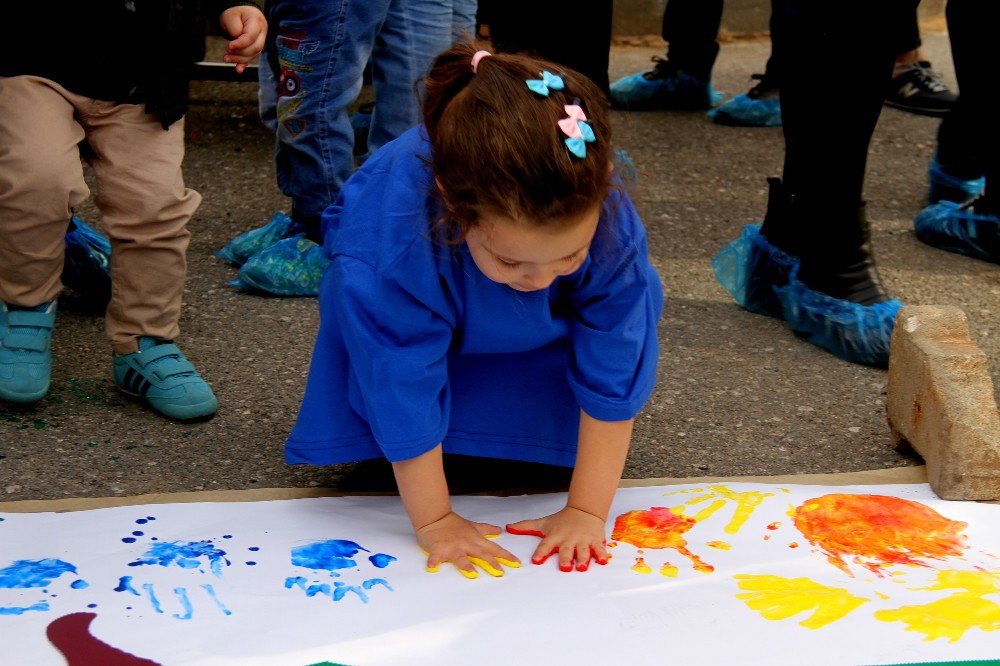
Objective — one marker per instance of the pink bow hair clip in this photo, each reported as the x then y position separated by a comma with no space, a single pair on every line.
570,125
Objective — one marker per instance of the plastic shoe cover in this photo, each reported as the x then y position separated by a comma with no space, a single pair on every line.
87,269
951,227
750,268
25,356
745,111
161,376
763,279
945,187
291,267
853,332
247,244
677,91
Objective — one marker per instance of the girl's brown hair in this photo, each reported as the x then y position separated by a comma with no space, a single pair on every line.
497,147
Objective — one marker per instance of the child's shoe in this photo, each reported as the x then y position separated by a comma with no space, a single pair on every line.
970,228
759,107
25,358
663,87
240,249
944,186
164,379
291,267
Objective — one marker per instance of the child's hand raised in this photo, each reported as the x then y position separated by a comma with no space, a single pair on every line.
577,536
463,543
248,28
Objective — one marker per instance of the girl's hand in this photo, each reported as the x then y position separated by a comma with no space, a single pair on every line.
463,543
248,28
576,535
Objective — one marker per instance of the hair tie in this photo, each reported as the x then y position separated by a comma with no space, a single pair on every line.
476,57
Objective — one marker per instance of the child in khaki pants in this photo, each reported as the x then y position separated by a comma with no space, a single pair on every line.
113,75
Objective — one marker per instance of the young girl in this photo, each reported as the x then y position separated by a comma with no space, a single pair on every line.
490,294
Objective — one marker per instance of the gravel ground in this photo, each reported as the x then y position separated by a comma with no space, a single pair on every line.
738,394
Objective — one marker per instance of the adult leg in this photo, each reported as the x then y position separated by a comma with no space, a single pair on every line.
915,86
691,28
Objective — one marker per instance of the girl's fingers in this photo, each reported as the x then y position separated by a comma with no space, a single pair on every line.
566,558
488,530
465,567
504,556
544,551
600,553
583,555
488,564
526,528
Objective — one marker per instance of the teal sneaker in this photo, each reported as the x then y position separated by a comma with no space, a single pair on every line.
25,359
160,376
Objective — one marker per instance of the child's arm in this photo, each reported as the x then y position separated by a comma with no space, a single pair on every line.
577,532
248,28
445,536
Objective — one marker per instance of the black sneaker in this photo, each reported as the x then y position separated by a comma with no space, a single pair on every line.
920,90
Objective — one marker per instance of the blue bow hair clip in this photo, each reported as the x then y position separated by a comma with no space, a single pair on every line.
542,86
578,144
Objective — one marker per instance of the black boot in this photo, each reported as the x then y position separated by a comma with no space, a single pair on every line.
834,247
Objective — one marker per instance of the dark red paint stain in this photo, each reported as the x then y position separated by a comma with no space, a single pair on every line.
70,634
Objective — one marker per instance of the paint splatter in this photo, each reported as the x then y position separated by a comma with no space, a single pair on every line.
775,525
70,634
329,555
381,560
186,555
952,616
658,527
641,566
778,598
877,531
79,584
338,590
719,545
668,570
33,573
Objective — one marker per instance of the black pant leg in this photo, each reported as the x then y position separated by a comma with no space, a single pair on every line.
904,32
691,28
826,141
972,26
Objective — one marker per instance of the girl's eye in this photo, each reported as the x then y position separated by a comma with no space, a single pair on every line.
509,264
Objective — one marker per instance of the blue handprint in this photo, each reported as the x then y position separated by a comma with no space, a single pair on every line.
334,556
34,575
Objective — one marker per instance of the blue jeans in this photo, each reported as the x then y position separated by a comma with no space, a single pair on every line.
311,70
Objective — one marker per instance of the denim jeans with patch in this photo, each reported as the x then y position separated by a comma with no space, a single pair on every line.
312,68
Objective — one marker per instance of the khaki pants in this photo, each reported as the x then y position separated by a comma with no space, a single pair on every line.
141,195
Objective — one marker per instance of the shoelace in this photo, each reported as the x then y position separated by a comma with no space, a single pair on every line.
928,78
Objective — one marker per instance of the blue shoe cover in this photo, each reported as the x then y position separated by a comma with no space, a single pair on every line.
240,249
762,279
745,111
945,187
87,269
679,91
291,267
951,227
853,332
750,268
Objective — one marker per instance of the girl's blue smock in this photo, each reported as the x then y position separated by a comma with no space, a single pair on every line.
416,346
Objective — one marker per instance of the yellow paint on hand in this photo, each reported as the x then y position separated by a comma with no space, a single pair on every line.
492,536
509,563
721,545
668,570
486,566
778,598
469,574
433,569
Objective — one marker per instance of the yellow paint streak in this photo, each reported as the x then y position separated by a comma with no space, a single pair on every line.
707,512
668,570
433,569
746,503
509,563
469,574
721,545
778,598
882,596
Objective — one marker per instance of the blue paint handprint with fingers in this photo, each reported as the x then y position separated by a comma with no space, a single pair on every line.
29,581
336,557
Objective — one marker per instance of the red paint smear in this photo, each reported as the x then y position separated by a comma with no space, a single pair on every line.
535,533
70,634
658,527
775,525
877,531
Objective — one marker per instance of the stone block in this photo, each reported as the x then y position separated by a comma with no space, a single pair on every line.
941,402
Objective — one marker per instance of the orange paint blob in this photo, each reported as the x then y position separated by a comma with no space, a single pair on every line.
641,566
775,525
794,544
658,527
877,531
766,537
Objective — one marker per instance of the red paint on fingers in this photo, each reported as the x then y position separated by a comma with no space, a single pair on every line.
514,530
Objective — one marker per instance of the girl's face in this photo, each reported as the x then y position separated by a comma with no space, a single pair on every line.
530,258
